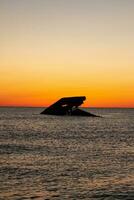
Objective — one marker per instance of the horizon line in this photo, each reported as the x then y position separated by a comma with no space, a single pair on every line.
8,106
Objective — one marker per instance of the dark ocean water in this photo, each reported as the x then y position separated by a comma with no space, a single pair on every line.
50,157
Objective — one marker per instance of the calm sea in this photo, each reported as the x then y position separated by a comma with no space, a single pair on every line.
53,157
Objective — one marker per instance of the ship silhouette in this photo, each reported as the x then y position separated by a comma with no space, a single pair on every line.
68,106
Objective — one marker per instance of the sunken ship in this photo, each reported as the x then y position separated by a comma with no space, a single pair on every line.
68,106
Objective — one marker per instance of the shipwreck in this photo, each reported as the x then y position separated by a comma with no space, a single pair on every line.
68,106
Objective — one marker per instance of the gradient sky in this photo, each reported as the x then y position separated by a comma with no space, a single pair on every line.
55,48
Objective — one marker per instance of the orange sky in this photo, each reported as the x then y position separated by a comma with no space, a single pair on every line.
52,49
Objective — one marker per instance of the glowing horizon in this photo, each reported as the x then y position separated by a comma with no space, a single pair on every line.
52,49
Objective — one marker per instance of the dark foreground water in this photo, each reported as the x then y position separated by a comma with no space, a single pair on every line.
50,157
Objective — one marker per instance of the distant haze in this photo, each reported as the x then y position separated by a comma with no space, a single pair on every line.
55,48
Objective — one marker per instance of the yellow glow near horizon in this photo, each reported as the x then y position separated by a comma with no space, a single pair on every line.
51,49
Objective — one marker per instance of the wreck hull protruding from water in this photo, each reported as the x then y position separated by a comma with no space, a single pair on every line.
68,106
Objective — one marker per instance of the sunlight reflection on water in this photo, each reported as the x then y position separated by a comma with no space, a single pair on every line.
50,157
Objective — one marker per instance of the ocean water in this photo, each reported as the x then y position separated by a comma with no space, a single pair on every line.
56,158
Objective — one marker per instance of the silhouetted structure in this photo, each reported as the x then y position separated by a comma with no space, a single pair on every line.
68,106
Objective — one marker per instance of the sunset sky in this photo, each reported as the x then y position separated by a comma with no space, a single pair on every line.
55,48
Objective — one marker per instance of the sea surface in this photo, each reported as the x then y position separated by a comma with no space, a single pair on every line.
62,157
